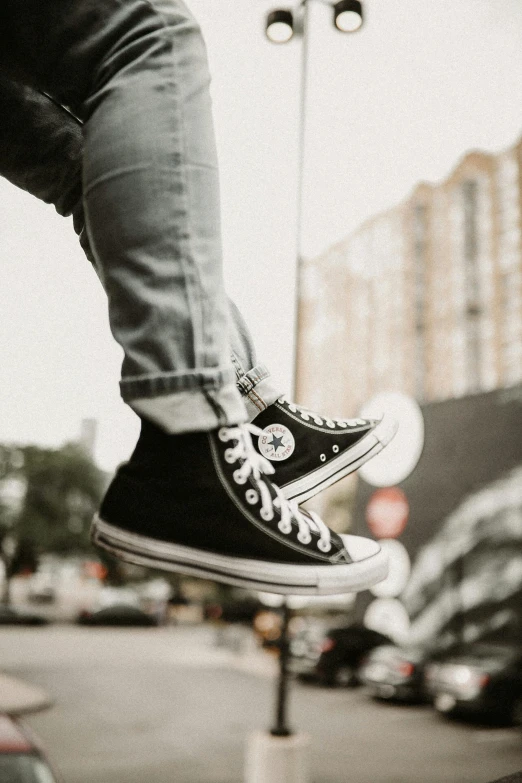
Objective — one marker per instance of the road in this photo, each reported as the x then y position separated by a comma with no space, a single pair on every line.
168,706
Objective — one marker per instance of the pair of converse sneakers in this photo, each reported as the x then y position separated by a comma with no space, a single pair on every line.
205,504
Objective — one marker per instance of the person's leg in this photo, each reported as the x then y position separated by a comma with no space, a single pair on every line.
137,75
41,148
199,500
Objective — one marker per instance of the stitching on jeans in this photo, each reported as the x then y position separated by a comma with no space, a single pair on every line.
185,239
262,405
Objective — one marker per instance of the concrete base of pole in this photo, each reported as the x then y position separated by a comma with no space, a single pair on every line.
272,759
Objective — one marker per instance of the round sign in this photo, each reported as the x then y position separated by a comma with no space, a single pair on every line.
388,616
387,512
398,570
399,458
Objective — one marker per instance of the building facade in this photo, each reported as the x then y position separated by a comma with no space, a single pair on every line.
425,298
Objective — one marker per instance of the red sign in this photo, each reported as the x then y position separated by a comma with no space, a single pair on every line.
387,512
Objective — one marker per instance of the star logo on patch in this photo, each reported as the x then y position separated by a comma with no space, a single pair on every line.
277,443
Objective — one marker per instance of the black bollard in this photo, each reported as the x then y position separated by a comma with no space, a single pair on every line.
281,728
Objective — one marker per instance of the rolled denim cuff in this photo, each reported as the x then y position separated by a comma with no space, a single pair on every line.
159,384
257,388
198,410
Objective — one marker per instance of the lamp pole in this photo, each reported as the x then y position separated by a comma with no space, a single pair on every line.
300,189
280,27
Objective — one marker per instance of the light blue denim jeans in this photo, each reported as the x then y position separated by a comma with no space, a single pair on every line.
133,159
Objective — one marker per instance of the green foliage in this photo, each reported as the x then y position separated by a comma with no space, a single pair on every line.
63,488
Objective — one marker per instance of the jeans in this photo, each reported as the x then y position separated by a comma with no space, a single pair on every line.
132,158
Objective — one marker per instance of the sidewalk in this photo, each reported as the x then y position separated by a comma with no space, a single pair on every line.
19,698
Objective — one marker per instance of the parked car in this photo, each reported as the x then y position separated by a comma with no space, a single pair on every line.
22,758
396,673
237,607
9,616
482,680
340,654
118,615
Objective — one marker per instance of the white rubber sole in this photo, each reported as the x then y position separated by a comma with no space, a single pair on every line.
369,567
350,460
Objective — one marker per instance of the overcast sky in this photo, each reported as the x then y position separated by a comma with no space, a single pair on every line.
398,102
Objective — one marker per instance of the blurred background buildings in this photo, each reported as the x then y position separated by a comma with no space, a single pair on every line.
425,298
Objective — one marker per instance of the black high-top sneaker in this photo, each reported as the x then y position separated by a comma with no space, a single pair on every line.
310,452
202,504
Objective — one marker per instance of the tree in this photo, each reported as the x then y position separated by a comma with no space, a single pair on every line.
47,500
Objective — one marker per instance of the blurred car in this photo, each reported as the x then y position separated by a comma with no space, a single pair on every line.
396,673
238,607
305,650
482,680
41,588
22,759
122,615
339,654
9,616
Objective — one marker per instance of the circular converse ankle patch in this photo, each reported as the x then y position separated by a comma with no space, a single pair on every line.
276,442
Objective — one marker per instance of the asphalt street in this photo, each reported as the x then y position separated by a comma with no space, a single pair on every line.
169,706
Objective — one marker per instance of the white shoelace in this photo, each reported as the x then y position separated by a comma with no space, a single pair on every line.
257,466
307,414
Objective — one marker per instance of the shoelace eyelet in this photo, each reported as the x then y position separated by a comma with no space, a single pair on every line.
251,496
324,546
285,529
229,456
266,514
238,477
223,435
304,539
335,449
323,458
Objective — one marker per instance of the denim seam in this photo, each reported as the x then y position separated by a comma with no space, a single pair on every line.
254,397
184,237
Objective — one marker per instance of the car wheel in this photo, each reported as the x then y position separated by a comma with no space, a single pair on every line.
345,677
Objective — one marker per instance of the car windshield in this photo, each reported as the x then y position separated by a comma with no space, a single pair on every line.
24,768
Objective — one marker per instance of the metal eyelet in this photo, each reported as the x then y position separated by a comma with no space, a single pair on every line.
323,458
285,529
238,477
251,496
335,449
266,514
223,435
304,539
229,456
324,546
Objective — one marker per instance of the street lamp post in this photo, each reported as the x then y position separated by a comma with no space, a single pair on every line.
283,758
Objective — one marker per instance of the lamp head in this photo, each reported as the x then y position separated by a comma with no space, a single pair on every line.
348,15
